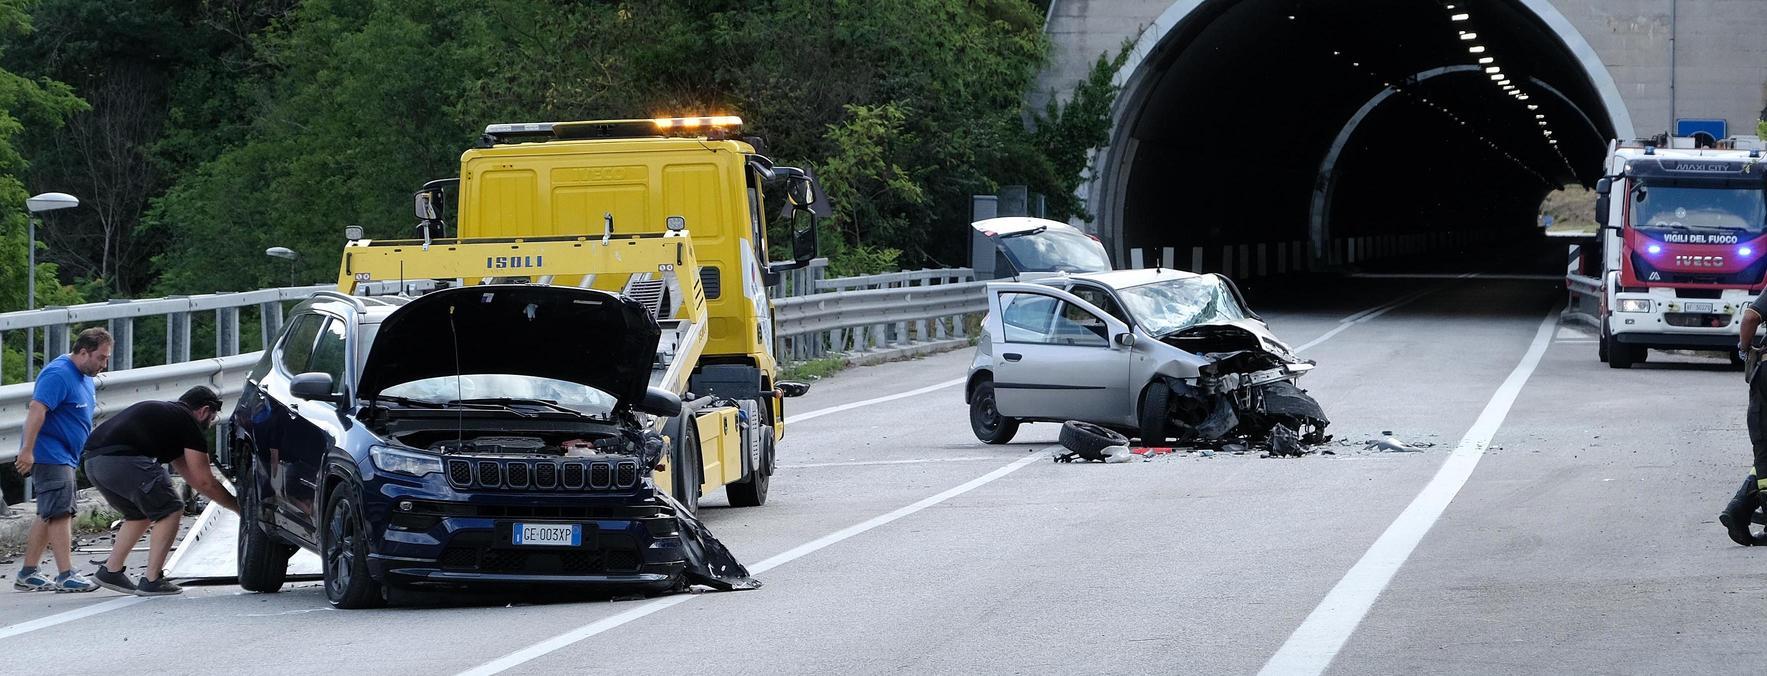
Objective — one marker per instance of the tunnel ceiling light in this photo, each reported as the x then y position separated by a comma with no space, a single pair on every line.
1469,36
1496,77
1537,116
1533,107
1493,69
1524,97
1476,49
1486,59
1504,82
1460,17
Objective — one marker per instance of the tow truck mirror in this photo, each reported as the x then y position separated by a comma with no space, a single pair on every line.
426,204
1603,187
803,241
800,191
660,402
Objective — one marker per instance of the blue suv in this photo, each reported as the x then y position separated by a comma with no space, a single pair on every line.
476,435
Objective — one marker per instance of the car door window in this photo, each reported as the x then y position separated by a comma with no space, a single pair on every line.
297,345
1035,318
328,354
1027,316
1076,326
1101,299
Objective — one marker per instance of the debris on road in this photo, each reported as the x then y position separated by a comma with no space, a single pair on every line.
1391,444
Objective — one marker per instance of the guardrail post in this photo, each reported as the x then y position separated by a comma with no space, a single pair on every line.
270,322
122,335
55,342
226,331
177,337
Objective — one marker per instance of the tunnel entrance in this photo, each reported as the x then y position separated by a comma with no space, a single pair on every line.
1307,127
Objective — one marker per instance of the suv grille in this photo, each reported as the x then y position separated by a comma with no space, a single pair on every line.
529,474
545,475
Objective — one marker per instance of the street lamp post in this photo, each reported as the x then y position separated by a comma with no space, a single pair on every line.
49,201
284,253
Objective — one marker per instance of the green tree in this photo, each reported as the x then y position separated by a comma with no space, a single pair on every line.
36,104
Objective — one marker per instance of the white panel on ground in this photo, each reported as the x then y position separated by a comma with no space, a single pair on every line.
209,549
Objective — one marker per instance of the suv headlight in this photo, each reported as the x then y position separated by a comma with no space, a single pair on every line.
396,461
1635,305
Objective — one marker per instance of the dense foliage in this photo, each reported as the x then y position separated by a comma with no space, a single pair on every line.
217,129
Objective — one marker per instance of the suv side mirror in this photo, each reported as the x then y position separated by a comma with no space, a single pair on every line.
313,386
789,388
660,402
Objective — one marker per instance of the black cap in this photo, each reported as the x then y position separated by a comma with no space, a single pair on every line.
200,396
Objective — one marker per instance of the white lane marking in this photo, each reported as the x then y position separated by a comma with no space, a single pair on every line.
1365,316
566,639
789,418
914,461
1312,647
11,630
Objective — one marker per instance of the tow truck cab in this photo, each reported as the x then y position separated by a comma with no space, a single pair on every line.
1682,248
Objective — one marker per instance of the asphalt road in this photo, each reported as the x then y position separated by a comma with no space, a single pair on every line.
1573,532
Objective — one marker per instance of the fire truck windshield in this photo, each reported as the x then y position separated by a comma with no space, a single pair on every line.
1658,209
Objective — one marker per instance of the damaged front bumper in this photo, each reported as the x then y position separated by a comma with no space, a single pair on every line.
639,540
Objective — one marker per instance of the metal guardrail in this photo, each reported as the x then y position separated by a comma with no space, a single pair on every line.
855,320
53,324
118,390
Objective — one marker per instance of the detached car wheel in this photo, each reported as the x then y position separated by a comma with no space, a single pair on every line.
1089,440
345,548
985,419
263,560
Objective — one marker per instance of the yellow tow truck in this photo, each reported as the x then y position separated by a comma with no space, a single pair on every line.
670,212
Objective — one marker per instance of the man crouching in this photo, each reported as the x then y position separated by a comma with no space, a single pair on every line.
124,459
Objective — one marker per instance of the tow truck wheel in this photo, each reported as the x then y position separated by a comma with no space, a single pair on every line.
1601,345
687,465
262,560
985,419
1620,355
345,547
752,492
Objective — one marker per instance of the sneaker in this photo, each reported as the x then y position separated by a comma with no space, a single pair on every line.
117,581
73,582
35,581
160,587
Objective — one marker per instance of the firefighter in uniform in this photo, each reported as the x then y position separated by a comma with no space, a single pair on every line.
1741,510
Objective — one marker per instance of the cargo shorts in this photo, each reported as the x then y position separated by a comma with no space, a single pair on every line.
55,490
136,485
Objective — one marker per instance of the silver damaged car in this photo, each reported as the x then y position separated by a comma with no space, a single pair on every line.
1158,354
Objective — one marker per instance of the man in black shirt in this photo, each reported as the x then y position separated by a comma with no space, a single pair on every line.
1737,515
124,459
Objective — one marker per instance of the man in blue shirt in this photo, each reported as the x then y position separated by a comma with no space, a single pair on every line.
56,427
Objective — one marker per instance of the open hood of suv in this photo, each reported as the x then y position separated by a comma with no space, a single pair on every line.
584,336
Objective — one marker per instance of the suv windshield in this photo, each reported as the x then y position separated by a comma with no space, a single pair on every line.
1174,304
1662,210
449,389
1055,251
